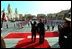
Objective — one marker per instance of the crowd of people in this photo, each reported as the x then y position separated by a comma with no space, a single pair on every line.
64,32
39,28
21,24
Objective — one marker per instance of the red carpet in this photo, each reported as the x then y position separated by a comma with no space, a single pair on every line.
25,35
27,43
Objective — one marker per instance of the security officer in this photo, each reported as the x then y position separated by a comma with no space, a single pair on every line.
65,34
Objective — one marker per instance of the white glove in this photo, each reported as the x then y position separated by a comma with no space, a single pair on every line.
65,36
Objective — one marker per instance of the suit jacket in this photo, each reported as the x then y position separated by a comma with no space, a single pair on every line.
41,28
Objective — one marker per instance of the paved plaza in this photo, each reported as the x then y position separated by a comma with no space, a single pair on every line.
10,43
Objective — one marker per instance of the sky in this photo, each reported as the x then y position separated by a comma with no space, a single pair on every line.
36,7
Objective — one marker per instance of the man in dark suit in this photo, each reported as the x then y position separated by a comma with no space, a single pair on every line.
41,31
33,30
65,34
